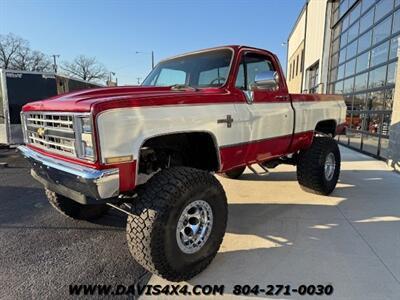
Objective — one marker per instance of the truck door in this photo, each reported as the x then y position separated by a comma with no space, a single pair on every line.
268,111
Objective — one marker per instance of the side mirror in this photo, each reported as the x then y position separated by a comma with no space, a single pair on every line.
268,80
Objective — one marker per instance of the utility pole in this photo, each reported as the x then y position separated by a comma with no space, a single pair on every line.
110,83
152,56
110,76
55,62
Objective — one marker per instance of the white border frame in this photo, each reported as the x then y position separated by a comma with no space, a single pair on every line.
6,111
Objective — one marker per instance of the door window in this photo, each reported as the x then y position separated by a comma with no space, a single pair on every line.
250,66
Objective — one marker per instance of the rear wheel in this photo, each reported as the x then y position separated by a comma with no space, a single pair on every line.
178,223
235,173
73,209
318,167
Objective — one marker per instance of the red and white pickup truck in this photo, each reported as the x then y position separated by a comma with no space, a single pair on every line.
151,151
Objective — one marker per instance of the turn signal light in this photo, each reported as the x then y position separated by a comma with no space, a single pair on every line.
119,159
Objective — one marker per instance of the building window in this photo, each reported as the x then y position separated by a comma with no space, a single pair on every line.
351,50
391,74
396,21
364,41
382,31
297,64
353,32
366,21
366,4
355,13
362,66
362,62
302,61
290,71
379,54
343,6
313,78
293,63
383,7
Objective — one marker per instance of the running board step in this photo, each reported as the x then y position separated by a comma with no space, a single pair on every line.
265,173
119,208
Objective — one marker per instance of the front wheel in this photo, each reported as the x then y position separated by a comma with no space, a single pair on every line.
318,167
75,210
178,223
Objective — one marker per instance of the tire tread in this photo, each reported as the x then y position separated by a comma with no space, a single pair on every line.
151,213
309,171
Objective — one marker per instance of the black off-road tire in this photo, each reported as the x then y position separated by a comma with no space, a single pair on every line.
311,166
235,173
75,210
151,231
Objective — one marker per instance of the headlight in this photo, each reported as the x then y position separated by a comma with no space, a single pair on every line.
86,125
85,141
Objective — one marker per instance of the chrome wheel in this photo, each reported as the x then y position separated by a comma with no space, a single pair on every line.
194,226
330,166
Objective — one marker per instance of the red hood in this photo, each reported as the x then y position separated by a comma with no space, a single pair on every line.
114,97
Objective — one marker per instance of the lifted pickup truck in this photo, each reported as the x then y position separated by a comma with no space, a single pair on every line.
151,151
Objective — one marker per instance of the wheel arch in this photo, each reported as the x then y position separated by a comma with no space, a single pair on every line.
326,126
212,145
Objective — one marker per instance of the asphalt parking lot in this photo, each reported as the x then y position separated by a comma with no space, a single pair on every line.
277,234
42,252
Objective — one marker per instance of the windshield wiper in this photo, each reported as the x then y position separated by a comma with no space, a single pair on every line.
180,87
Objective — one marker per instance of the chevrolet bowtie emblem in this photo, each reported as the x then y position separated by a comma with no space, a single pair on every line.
40,131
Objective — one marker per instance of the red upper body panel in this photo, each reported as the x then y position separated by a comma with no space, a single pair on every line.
99,99
115,97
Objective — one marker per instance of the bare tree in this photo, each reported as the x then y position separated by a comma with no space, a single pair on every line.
86,68
10,46
40,62
15,54
28,60
20,60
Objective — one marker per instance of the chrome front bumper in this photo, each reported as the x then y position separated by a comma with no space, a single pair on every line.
82,184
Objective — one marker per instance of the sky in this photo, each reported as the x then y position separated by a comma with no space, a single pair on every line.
113,31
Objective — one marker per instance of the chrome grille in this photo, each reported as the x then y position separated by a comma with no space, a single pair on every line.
62,122
51,131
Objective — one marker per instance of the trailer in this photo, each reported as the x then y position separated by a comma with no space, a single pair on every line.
20,87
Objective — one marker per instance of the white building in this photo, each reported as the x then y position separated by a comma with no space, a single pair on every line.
351,47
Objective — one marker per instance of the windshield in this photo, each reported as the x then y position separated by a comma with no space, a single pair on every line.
205,69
